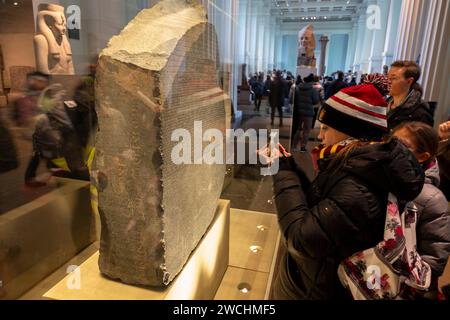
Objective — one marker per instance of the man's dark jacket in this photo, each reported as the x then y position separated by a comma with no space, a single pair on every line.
413,109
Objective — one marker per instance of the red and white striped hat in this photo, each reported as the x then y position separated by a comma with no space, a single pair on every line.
358,111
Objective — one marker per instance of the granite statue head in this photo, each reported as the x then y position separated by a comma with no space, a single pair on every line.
307,40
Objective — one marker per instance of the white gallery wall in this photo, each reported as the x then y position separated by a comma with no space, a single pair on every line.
16,38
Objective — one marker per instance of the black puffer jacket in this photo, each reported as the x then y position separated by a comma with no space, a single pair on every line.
413,109
334,87
276,98
337,215
306,97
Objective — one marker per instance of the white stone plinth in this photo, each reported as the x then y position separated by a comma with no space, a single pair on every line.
305,71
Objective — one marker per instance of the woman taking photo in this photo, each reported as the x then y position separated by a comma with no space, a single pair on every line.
343,210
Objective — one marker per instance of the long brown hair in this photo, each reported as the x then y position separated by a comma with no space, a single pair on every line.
341,158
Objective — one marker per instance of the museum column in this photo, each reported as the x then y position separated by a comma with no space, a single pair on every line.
413,19
262,30
378,41
253,35
359,42
435,57
260,25
349,63
323,50
268,40
241,30
267,33
391,31
279,49
272,43
367,42
248,36
232,18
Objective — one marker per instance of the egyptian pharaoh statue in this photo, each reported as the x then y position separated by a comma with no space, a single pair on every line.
52,48
307,44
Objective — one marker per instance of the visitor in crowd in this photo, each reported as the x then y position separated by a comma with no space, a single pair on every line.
304,100
267,85
343,210
406,102
299,80
26,108
258,90
348,77
336,86
63,135
363,78
352,82
321,91
51,125
252,80
287,86
84,115
326,84
276,98
433,216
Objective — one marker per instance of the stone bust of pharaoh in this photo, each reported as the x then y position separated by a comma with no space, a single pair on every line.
306,47
52,48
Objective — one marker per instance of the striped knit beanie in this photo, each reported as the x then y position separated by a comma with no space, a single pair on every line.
358,111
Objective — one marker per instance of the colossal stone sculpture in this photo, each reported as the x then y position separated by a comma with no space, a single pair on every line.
52,48
323,50
307,45
159,75
306,61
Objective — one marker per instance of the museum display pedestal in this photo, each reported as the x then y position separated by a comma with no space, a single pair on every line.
238,251
199,280
305,71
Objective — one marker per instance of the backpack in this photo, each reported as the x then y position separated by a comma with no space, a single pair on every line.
52,125
47,139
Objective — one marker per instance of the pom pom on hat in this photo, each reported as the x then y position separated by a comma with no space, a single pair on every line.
380,81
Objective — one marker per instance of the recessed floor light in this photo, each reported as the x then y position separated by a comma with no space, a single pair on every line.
262,227
255,249
244,288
